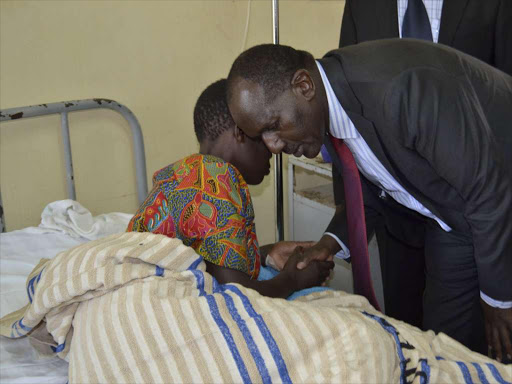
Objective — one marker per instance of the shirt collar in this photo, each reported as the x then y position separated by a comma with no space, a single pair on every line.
340,125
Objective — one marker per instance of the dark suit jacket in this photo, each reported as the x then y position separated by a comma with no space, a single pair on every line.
481,28
440,122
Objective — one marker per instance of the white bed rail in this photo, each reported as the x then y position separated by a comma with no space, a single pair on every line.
63,108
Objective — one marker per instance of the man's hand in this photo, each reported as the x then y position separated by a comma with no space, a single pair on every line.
281,251
324,250
314,275
498,331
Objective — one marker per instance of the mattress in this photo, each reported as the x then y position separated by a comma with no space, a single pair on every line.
64,224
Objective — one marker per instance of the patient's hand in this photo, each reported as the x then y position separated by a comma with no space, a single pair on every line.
314,275
323,250
281,251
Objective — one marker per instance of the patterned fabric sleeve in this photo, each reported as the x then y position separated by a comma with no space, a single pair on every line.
206,203
225,214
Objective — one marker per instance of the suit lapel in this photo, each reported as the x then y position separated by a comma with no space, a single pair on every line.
452,13
354,110
387,14
372,137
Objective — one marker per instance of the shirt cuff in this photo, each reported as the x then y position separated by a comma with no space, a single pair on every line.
495,303
269,262
343,253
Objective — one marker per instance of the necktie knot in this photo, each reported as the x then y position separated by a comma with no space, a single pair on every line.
416,23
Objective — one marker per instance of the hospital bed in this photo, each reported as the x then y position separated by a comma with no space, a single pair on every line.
213,333
64,225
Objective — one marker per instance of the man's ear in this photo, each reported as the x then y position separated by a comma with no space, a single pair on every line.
239,134
303,84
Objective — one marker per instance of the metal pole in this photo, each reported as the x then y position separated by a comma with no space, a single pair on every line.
278,159
70,178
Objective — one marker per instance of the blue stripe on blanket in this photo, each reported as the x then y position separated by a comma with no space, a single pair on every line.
214,310
267,336
496,374
39,275
159,271
59,348
481,374
28,293
224,329
199,281
426,369
215,285
195,263
22,326
390,329
31,284
14,327
465,372
246,333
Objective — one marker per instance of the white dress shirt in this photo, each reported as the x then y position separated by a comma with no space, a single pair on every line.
341,127
434,9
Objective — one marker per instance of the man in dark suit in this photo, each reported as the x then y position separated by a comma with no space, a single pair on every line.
428,126
479,28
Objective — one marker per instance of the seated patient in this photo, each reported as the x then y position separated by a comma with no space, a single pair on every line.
204,200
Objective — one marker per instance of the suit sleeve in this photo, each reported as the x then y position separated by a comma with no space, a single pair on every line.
503,38
348,34
448,128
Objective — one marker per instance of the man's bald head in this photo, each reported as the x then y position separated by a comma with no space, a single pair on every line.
270,66
275,92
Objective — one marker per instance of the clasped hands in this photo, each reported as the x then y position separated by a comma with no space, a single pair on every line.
309,263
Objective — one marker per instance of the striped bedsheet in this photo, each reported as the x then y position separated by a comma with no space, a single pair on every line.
140,308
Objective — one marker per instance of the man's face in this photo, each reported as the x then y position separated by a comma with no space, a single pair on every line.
291,123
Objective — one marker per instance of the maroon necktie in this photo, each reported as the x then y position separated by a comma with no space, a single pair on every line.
358,244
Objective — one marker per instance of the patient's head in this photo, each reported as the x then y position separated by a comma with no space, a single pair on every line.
219,136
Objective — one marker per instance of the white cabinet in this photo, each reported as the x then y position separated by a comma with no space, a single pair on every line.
311,208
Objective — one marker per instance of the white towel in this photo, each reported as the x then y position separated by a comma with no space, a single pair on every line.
73,218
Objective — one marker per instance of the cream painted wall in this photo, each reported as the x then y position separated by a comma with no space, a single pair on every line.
153,56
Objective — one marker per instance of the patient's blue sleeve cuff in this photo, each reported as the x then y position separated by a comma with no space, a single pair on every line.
267,273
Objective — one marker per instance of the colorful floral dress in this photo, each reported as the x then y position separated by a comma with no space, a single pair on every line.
206,203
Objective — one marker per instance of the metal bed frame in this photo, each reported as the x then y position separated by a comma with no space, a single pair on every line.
65,107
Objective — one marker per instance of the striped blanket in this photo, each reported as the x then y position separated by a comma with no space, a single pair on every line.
140,308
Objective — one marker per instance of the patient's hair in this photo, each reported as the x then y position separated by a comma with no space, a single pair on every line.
271,66
211,114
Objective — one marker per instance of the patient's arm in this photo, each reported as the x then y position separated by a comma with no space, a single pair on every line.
283,285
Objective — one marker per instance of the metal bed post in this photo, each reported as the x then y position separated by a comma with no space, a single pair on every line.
278,159
70,179
63,108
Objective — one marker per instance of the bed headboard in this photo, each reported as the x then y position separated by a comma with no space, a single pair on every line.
65,107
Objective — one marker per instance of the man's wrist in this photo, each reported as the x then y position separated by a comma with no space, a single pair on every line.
328,244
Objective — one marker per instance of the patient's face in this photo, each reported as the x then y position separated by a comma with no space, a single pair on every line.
252,159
